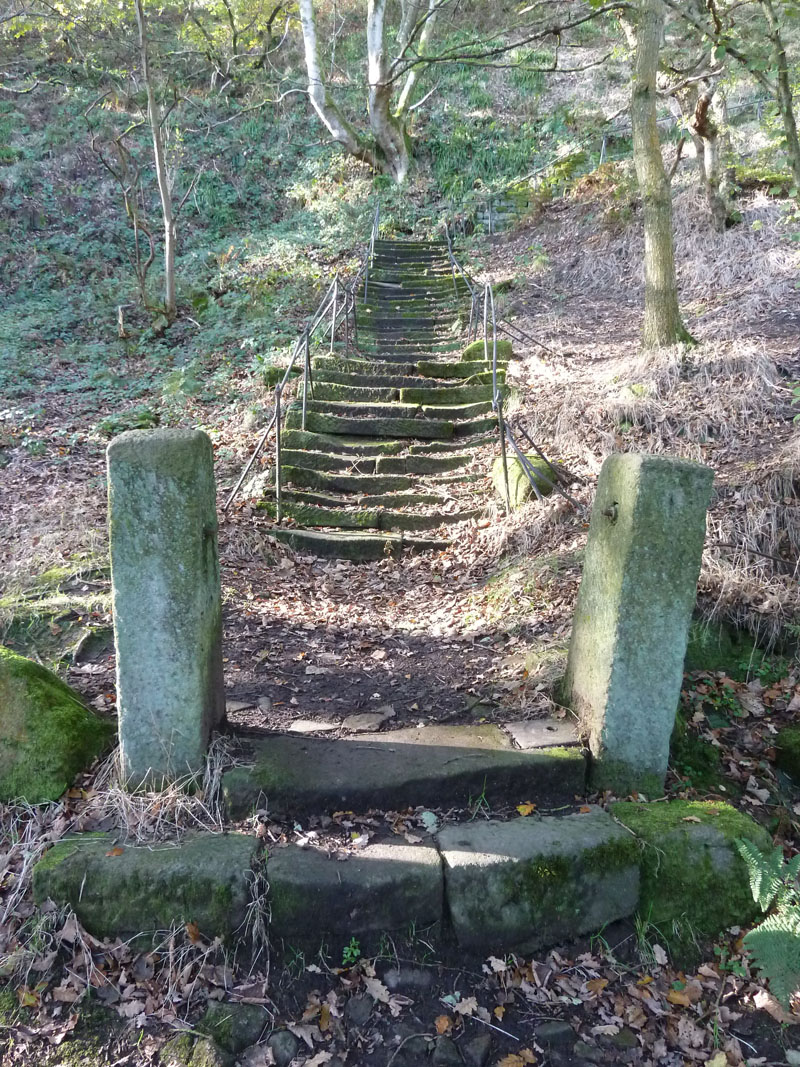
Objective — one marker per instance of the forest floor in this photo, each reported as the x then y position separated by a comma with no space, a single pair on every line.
476,632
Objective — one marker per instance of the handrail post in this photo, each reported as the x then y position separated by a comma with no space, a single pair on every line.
278,501
355,322
335,308
306,376
346,322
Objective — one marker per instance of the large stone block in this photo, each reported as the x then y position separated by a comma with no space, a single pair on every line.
314,897
530,883
128,891
46,734
166,598
632,617
694,882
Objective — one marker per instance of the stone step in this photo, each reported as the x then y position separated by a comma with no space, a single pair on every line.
346,446
352,365
436,765
494,887
362,518
475,426
458,394
373,381
421,464
349,409
460,369
324,461
359,394
334,424
356,547
327,481
374,501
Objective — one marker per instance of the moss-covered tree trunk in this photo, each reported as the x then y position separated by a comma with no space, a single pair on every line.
783,88
707,132
662,318
389,132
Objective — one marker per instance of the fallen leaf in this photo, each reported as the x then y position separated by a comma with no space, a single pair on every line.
193,932
499,1012
719,1059
526,808
467,1006
596,985
443,1024
679,997
691,818
660,955
319,1059
115,851
377,990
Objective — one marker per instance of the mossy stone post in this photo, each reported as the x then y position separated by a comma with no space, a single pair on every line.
166,599
632,618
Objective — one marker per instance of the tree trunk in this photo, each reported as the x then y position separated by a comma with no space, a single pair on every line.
703,125
333,120
156,127
389,132
662,319
783,89
424,37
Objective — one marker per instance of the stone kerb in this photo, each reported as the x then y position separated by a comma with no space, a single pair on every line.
166,601
632,616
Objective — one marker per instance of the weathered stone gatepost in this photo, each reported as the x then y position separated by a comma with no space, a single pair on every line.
166,599
632,617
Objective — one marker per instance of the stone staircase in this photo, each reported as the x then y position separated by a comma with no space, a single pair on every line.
387,457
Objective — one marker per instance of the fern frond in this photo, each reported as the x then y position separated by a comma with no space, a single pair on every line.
767,872
774,948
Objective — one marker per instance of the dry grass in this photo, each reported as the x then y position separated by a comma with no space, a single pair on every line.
150,815
724,402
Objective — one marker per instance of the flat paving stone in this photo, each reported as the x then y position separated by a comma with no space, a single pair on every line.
432,765
383,887
534,882
311,726
542,733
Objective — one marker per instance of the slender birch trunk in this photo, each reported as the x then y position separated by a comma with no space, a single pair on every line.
389,132
334,122
156,121
662,318
424,38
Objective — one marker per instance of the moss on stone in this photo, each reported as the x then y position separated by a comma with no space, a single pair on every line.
787,744
694,758
694,884
519,485
47,735
715,647
138,891
477,350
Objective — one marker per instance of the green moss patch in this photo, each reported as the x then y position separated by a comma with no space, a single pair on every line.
46,734
476,350
135,891
787,744
519,484
694,884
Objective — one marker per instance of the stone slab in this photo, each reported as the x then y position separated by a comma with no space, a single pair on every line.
694,882
632,616
383,887
542,733
534,882
166,601
124,891
433,765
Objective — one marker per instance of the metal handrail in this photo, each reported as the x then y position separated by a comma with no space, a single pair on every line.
340,309
504,429
376,222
